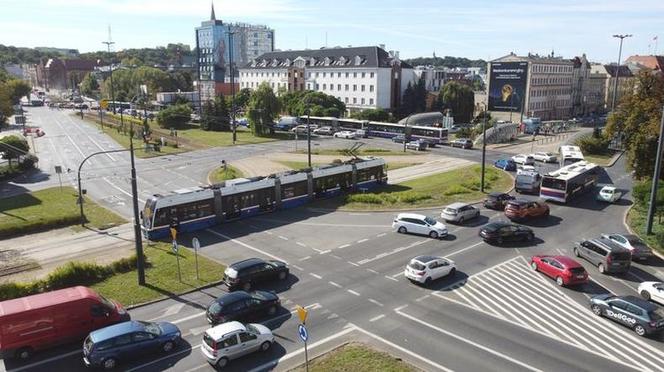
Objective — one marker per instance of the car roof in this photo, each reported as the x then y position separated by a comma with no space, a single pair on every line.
496,225
425,259
519,201
116,330
645,305
457,205
411,215
566,261
240,265
223,329
233,297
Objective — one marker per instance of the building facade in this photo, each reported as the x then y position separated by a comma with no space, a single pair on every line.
436,77
654,63
605,77
63,74
361,77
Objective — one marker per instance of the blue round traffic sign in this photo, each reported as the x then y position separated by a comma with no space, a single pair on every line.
303,332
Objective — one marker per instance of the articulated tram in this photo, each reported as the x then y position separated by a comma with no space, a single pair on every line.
201,207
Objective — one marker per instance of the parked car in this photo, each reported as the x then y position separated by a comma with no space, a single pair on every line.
345,134
523,159
416,145
520,209
242,305
640,251
605,254
246,274
525,168
328,131
400,138
419,224
653,291
464,143
232,340
527,181
505,164
500,232
454,129
459,212
545,157
302,129
22,319
564,270
609,194
640,315
287,123
109,346
425,269
497,200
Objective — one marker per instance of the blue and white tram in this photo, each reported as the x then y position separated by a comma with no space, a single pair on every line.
201,207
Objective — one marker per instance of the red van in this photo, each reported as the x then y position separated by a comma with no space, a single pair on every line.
48,319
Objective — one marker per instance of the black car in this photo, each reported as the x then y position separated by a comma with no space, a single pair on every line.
400,138
500,232
642,316
242,306
497,200
247,273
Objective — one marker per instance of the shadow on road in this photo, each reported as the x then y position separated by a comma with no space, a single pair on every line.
447,283
542,222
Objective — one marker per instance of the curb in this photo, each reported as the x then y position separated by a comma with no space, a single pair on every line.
615,159
151,302
629,229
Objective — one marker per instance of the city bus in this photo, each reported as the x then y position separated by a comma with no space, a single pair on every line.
119,106
569,155
532,125
565,183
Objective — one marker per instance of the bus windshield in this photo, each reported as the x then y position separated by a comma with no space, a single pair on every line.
554,183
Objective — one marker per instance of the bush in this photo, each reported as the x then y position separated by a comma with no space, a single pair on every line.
593,145
28,162
456,189
364,198
412,197
10,291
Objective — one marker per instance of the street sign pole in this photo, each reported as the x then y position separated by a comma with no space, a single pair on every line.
304,335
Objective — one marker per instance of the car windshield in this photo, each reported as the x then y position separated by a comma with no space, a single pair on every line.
623,256
107,303
216,307
450,210
152,328
525,178
657,314
259,295
636,242
577,270
416,265
430,220
251,328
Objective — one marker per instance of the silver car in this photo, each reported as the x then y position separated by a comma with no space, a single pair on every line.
459,212
640,251
231,340
419,224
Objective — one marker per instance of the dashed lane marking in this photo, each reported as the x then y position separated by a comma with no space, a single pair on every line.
362,241
375,302
380,235
283,237
353,292
301,244
316,276
336,284
335,256
381,316
373,271
353,263
304,258
297,267
391,278
343,246
325,252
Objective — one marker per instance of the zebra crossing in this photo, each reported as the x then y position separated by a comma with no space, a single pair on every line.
512,292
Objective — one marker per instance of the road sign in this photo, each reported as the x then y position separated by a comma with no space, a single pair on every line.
302,331
195,243
302,313
103,104
58,169
175,246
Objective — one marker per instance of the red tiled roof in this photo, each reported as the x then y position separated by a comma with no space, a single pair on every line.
651,62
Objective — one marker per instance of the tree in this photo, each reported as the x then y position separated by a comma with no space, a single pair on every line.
300,103
175,116
637,120
372,115
127,81
262,109
89,85
242,98
215,115
11,91
460,99
13,147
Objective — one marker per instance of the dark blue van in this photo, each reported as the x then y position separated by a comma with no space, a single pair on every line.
106,347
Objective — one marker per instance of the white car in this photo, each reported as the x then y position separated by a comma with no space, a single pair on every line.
653,291
345,134
425,269
523,159
609,194
459,212
231,340
419,224
546,157
525,168
640,250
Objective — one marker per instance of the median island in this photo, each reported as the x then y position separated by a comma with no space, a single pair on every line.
356,357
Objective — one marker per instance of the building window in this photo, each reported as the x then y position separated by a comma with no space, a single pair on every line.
354,87
370,88
346,99
324,74
309,74
363,75
354,74
324,85
338,74
317,86
354,100
363,101
331,86
316,74
362,87
371,101
338,86
346,87
346,74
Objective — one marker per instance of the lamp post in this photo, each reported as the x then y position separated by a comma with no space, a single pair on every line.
483,145
615,83
405,133
108,45
230,61
655,178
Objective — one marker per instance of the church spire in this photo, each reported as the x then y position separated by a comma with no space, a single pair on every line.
212,17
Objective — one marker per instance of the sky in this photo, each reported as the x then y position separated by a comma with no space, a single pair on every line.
486,29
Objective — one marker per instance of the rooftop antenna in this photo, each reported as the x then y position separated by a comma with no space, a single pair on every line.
326,39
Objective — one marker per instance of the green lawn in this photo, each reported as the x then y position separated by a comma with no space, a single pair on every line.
304,164
637,222
393,166
220,139
363,152
357,357
461,185
602,160
220,175
161,277
49,209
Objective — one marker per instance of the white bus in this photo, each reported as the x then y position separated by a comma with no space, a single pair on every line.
569,155
563,184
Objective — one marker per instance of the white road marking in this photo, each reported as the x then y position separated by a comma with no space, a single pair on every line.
316,276
121,190
247,246
381,234
324,252
301,244
31,365
202,313
375,302
423,298
396,250
343,246
297,267
304,258
398,274
171,310
283,237
335,256
335,284
391,278
268,232
352,292
381,316
463,250
353,263
362,241
373,271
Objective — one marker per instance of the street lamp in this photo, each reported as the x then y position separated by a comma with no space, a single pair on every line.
615,83
483,144
108,45
230,61
655,178
405,133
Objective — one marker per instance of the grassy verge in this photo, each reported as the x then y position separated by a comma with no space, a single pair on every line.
161,277
220,139
220,174
304,164
460,185
49,209
363,152
636,219
394,166
602,160
357,357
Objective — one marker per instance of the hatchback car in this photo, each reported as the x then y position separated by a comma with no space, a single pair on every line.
497,200
500,232
419,224
242,305
520,209
109,346
640,251
345,134
653,291
400,138
464,143
603,253
609,194
247,273
417,145
232,340
545,157
527,181
425,269
563,269
523,159
459,212
324,130
640,315
505,164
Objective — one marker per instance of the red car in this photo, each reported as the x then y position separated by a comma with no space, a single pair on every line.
520,209
563,269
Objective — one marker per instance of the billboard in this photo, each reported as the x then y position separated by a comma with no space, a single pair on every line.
507,85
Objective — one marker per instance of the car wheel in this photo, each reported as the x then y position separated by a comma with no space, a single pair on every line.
109,363
461,220
533,265
640,330
529,237
265,346
272,310
596,310
221,363
559,281
246,286
427,281
24,353
433,235
282,275
499,240
402,230
576,253
645,295
477,215
547,213
167,346
601,268
452,272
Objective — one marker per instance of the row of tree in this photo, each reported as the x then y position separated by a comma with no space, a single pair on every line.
447,61
126,83
11,91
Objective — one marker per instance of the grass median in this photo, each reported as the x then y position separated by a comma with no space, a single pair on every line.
636,219
222,174
602,160
460,185
49,209
244,136
363,152
303,164
357,357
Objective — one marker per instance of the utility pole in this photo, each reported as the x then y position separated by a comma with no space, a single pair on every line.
230,61
108,45
483,145
615,83
308,135
405,133
655,177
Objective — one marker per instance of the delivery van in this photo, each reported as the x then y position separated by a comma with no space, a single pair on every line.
45,320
